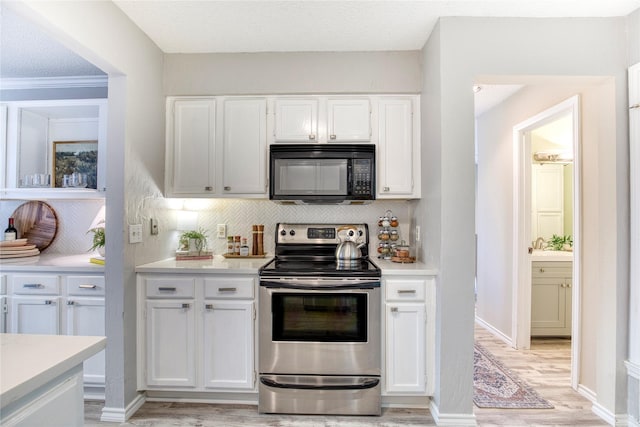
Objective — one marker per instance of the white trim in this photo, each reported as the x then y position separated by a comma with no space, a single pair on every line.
458,420
632,423
120,415
521,315
633,369
53,82
606,415
498,334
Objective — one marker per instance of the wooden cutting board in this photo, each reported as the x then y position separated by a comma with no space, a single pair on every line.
21,254
37,222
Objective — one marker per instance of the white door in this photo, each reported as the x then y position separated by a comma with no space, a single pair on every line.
406,335
296,120
171,343
191,153
35,315
245,146
86,317
348,120
228,344
395,147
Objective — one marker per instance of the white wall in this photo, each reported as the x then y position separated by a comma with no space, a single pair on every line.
467,50
287,73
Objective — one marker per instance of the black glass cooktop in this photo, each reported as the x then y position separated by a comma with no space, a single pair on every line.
322,268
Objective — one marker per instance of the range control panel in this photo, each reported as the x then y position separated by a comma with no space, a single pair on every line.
320,233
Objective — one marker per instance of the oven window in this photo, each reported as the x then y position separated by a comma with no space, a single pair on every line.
319,317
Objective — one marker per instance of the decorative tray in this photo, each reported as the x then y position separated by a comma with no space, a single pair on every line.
243,256
403,260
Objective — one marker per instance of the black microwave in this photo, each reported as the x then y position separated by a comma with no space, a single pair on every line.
322,173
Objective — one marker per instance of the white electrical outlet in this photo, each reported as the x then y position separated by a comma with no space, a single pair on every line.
135,233
221,231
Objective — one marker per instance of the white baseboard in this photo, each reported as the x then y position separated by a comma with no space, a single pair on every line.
458,420
120,415
507,340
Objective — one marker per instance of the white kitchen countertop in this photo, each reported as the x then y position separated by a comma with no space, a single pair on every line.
540,255
52,263
219,264
27,362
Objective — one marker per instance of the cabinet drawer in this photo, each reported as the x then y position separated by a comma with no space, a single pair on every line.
229,287
170,288
35,284
405,290
85,285
551,270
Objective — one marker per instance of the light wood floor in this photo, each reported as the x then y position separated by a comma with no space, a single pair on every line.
546,367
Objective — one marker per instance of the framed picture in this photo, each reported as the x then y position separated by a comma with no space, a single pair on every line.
75,164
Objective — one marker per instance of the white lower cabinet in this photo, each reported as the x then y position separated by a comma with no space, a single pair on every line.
409,308
551,286
196,333
60,304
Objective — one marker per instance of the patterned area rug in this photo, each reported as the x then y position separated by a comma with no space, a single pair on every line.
495,386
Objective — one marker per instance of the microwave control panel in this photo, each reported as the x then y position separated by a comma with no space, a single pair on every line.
362,177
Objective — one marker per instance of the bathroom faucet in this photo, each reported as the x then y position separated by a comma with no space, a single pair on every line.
539,244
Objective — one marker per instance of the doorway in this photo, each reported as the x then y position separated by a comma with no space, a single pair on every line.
547,215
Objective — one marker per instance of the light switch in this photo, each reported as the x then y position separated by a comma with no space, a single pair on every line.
135,233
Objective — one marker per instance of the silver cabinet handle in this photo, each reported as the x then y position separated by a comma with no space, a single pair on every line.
208,188
385,188
33,285
634,106
394,309
542,270
88,286
71,302
406,291
227,188
332,137
186,305
312,137
227,289
563,285
208,306
167,289
48,302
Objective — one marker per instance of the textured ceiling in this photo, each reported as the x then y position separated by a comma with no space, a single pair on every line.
27,51
185,26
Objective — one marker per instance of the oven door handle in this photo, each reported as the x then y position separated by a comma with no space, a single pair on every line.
307,284
364,384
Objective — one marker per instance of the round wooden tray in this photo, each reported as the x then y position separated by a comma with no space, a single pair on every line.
37,222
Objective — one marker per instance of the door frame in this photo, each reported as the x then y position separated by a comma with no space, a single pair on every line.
521,303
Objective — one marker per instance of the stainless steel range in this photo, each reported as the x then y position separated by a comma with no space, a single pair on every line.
319,324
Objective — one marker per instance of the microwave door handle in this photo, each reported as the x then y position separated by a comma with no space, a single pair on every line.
349,178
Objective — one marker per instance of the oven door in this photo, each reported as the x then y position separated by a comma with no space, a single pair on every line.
328,330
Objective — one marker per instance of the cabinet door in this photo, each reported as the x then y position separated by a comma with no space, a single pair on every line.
245,146
348,120
296,120
406,335
228,344
549,306
191,148
395,148
35,315
171,343
85,316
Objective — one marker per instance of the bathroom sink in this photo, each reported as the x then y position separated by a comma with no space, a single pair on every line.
540,255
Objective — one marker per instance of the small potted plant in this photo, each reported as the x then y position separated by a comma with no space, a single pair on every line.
193,241
98,240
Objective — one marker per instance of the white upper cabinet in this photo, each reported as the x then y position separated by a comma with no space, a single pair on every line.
216,147
191,155
296,120
44,144
349,120
245,146
398,149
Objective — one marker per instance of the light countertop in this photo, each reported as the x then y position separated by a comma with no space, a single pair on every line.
222,265
540,255
27,362
218,264
52,263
